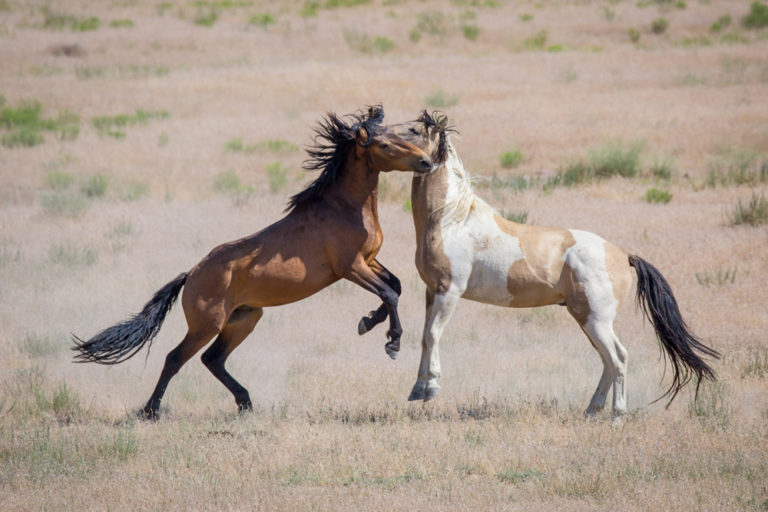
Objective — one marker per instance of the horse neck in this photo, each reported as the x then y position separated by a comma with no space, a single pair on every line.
358,185
432,192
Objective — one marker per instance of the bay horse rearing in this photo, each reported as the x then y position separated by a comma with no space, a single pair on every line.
331,232
465,249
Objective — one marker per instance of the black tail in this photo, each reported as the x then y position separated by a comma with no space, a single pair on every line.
655,298
121,341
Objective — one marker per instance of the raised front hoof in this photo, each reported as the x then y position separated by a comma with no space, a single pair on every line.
391,352
364,325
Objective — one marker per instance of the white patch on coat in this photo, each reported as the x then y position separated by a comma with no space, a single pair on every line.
587,259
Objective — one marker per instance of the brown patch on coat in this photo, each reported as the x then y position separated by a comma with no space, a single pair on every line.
537,279
619,271
575,297
427,196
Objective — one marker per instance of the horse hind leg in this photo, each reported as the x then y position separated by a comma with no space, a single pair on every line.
238,327
614,357
192,342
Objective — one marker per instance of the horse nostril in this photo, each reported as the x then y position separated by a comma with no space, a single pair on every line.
426,164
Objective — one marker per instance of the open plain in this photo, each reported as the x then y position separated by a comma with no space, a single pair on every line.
137,135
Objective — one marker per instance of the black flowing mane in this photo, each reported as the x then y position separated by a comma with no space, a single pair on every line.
437,121
334,138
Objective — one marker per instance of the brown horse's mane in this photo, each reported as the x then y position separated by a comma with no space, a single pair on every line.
334,138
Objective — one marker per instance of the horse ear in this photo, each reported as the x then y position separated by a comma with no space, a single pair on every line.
361,135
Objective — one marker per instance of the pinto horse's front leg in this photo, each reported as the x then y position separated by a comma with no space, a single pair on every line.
440,308
365,276
377,316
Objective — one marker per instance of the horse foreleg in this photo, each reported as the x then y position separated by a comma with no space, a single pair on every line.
364,276
440,308
240,324
377,316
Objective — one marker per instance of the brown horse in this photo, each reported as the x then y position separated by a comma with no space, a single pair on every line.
331,232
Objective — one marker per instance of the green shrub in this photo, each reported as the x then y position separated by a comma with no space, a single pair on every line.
659,25
227,182
124,23
735,166
64,203
71,255
262,20
655,195
434,23
536,42
206,19
26,123
278,177
278,146
59,180
364,44
757,17
662,169
22,137
526,17
722,22
634,35
95,186
720,277
470,32
754,213
310,9
114,126
86,24
511,159
612,159
439,99
757,365
36,345
510,476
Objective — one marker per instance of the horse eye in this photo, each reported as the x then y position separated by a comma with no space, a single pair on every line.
413,131
384,145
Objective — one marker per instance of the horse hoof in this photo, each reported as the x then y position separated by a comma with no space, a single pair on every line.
148,414
390,352
362,327
431,393
244,407
416,395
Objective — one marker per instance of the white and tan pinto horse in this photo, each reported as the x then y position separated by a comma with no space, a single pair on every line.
465,249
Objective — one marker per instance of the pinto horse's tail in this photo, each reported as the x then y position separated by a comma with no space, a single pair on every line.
655,298
121,341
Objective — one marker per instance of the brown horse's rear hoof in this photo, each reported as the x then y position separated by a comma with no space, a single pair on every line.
148,414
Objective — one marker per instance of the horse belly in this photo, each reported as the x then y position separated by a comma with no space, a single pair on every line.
281,282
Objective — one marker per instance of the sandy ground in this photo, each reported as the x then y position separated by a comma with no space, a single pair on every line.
332,429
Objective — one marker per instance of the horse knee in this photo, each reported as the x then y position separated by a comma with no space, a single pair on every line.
396,286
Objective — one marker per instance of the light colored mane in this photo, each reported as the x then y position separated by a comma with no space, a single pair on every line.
462,201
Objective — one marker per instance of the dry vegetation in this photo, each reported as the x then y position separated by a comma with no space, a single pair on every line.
138,135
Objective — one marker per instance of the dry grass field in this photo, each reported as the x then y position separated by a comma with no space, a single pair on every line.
137,135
